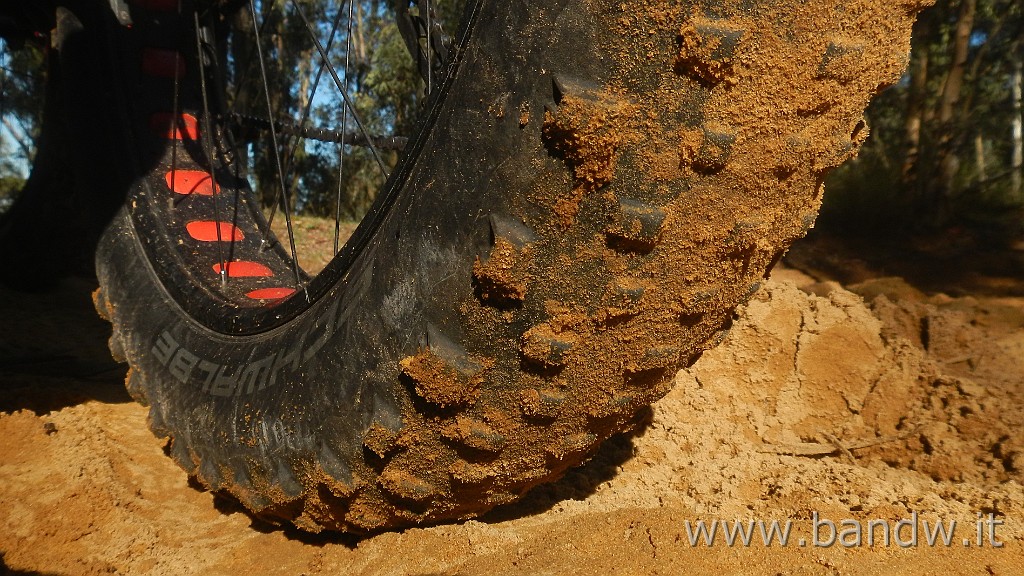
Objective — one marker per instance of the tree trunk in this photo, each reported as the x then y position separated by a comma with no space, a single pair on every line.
948,161
916,98
979,159
1018,146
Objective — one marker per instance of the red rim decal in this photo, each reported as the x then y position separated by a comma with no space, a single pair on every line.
271,293
161,63
164,125
206,231
190,182
244,269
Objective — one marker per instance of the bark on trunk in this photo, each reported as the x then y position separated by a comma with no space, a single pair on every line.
1018,130
948,160
916,102
979,159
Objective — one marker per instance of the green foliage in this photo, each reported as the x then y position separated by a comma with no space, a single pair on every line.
22,79
866,193
950,172
960,171
381,81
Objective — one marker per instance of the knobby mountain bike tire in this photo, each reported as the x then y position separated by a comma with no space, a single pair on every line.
595,189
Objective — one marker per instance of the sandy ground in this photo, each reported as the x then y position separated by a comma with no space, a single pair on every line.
872,403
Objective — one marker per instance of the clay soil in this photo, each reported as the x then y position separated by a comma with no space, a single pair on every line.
870,401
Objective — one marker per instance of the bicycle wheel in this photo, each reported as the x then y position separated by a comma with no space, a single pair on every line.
594,189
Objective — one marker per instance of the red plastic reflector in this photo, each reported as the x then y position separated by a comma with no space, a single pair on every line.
161,63
190,182
244,269
156,5
206,231
164,125
271,293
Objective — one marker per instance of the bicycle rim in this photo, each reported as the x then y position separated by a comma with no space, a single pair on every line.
200,220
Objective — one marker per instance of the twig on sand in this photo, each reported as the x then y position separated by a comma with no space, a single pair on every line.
838,445
833,446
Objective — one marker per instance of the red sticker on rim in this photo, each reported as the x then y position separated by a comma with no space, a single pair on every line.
244,269
190,182
271,293
210,231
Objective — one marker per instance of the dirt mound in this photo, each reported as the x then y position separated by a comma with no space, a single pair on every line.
817,406
820,406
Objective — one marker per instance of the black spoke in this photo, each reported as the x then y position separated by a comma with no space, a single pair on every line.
177,123
430,59
299,132
208,138
424,38
381,141
278,126
286,201
344,129
341,88
245,67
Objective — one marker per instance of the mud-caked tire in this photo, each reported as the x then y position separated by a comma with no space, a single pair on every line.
598,186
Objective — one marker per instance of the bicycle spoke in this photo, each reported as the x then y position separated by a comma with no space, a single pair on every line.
344,130
297,139
424,38
322,134
312,92
277,152
176,121
276,166
430,60
208,137
244,68
341,87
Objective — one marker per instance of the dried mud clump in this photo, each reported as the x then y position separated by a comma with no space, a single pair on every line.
440,383
707,150
636,225
405,485
707,49
380,439
501,278
474,433
586,132
546,347
583,133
